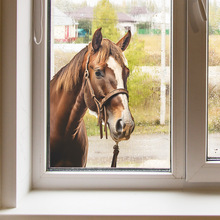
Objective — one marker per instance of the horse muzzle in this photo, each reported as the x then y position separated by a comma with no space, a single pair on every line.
122,130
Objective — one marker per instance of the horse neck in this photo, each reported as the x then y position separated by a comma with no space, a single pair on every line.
77,112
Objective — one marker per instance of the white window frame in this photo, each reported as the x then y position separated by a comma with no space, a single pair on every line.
198,168
99,179
25,128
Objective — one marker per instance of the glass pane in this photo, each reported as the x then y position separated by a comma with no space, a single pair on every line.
214,81
73,24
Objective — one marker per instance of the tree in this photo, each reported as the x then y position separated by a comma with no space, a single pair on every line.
140,85
86,25
135,53
106,17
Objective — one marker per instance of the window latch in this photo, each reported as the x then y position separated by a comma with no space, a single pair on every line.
202,10
38,42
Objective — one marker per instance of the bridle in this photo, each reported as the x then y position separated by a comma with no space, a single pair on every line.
101,107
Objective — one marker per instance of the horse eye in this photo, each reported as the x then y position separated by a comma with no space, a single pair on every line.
98,73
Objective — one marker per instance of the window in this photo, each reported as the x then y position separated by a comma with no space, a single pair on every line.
200,165
177,122
148,56
188,117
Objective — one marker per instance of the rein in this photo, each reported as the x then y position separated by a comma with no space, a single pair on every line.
101,108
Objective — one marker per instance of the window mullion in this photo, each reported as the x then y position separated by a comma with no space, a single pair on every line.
196,90
179,88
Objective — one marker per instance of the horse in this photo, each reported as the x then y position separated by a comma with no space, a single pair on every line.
95,79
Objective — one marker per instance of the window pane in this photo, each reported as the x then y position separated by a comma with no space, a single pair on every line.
214,81
148,54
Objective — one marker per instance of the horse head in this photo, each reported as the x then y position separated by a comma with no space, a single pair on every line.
108,72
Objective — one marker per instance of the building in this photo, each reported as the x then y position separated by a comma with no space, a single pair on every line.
65,27
125,21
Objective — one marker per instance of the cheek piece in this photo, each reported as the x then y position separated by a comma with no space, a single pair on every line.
101,108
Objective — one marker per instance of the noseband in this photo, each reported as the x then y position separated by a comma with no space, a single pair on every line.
101,105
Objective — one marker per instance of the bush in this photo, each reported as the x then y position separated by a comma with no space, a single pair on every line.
214,50
142,87
135,53
214,57
214,125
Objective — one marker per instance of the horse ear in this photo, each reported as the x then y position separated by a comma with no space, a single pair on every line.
97,39
124,42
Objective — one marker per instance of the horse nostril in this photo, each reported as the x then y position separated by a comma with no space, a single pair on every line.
132,128
119,126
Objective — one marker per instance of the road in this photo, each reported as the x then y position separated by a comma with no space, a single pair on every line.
140,151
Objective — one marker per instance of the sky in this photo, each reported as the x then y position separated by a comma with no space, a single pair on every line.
119,2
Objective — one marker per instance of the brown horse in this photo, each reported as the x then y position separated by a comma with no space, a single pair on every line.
95,72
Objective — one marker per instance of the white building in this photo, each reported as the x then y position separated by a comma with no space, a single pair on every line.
65,27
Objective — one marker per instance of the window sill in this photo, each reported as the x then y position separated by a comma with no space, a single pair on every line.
116,203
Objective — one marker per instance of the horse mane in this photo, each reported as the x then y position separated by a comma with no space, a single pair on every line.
68,76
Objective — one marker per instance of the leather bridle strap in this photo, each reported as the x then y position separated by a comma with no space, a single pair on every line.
104,102
113,93
115,155
98,104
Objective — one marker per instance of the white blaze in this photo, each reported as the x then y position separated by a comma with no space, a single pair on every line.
117,69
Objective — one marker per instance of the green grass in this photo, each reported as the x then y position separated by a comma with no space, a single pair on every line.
140,128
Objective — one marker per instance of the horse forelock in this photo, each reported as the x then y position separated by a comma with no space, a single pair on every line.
107,49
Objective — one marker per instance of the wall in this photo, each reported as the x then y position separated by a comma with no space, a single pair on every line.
16,72
8,70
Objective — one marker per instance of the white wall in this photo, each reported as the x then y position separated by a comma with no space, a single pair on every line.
59,32
24,96
16,103
8,72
